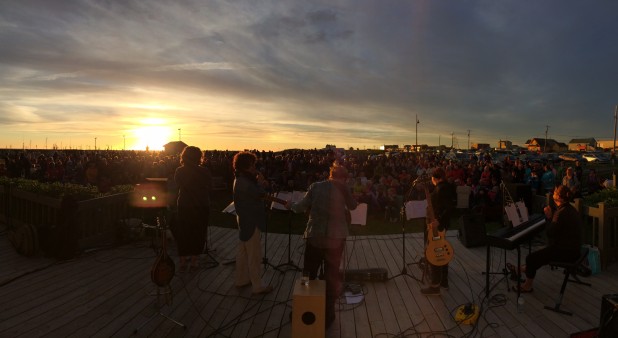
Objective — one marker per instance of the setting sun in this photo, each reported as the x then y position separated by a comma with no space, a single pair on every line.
153,135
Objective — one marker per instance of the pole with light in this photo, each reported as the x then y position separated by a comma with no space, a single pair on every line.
416,142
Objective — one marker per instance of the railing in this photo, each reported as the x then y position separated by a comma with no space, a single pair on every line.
601,225
63,224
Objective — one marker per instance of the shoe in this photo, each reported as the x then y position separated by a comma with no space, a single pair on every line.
243,285
514,275
444,285
265,290
431,291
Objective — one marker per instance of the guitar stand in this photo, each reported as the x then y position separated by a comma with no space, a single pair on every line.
265,258
404,269
167,292
289,263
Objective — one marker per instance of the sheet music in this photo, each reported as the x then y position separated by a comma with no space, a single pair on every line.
517,213
416,209
359,215
292,196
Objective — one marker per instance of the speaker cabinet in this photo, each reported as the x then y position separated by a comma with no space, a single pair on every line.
608,326
472,230
308,309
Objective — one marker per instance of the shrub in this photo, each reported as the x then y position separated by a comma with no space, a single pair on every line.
59,189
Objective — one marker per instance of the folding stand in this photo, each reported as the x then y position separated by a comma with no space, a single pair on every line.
265,259
207,252
404,269
167,292
289,262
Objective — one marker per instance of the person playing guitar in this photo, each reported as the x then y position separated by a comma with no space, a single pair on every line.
440,204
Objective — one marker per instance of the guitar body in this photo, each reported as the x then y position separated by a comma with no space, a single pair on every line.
163,269
438,250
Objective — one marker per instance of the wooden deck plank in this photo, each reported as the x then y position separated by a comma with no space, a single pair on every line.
105,293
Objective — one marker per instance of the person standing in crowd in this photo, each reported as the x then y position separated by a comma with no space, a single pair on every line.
327,229
570,181
249,195
194,183
564,238
443,200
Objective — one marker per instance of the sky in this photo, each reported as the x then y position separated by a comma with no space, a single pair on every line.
274,75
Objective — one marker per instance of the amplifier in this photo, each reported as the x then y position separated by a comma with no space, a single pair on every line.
366,275
609,316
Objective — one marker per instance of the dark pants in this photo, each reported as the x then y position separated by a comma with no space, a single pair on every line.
543,256
331,258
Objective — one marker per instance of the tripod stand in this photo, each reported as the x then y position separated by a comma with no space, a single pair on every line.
207,251
265,258
404,269
162,273
289,263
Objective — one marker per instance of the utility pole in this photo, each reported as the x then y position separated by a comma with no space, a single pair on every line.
95,143
545,146
468,139
124,142
416,142
179,139
614,148
452,136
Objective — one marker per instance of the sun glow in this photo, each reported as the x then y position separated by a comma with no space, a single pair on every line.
153,135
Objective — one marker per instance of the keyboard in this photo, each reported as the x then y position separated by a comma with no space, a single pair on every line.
511,237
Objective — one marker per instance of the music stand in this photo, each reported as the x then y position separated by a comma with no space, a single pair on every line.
289,263
404,269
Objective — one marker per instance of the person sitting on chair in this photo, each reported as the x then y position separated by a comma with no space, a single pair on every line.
564,239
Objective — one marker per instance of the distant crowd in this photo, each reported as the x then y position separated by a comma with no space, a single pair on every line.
384,183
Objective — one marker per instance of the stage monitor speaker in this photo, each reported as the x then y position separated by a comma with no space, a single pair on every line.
308,309
472,230
608,326
365,275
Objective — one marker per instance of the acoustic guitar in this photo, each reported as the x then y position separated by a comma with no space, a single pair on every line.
163,269
438,251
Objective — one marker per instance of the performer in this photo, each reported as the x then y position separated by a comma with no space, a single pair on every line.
443,201
564,238
194,183
327,230
251,218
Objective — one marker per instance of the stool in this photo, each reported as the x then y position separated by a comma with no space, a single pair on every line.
570,269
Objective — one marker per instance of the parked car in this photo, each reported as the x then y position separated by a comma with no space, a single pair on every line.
571,157
596,157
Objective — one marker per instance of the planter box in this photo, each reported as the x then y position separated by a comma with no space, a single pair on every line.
602,224
63,226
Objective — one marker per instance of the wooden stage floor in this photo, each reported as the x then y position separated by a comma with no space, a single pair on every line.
108,293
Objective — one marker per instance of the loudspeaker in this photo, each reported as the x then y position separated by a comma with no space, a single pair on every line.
308,309
608,326
472,230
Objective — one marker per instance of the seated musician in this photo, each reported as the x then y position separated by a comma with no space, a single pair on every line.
563,236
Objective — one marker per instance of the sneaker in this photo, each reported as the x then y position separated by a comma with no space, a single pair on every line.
431,291
444,284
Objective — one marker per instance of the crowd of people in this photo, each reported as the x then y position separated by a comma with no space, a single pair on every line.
383,182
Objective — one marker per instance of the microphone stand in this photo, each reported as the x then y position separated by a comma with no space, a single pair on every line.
404,269
289,263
